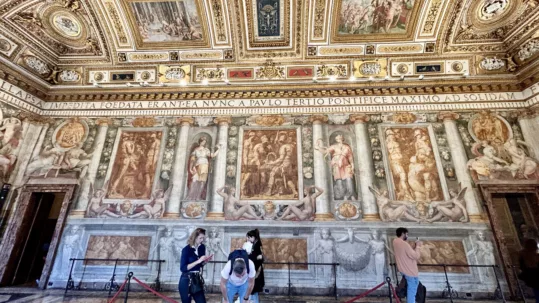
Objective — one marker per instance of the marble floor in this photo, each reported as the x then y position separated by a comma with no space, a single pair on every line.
27,295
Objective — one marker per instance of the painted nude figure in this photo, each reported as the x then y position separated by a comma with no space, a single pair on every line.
156,207
95,203
391,210
397,168
234,208
521,164
293,210
454,210
129,160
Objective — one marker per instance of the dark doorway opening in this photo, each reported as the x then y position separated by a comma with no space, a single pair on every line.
37,231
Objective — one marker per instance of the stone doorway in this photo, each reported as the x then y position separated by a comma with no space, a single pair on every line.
31,239
513,209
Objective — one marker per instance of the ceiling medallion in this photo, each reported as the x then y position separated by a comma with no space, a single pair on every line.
37,65
402,68
145,76
99,76
370,68
5,46
66,25
270,71
69,76
491,9
528,50
457,66
491,63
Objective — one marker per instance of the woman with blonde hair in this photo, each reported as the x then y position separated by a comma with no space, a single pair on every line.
529,266
191,285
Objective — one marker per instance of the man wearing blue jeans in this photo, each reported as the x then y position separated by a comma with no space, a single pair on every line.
406,258
240,281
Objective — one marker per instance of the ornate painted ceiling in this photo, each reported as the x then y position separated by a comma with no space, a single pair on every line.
79,49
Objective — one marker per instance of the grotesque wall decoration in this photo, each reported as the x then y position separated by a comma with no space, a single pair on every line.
135,163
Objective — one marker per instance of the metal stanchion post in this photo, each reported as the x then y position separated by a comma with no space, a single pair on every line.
448,285
499,287
157,279
111,283
70,283
334,269
390,295
127,286
518,284
395,272
289,280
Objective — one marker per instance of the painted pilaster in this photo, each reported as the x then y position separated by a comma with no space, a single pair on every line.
365,166
323,211
178,171
460,160
216,208
529,124
99,144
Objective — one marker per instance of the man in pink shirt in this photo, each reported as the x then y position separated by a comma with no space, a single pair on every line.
406,258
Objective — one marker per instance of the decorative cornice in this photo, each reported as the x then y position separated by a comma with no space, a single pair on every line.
104,121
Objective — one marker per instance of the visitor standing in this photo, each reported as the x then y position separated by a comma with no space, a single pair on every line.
255,255
406,258
193,258
529,266
236,278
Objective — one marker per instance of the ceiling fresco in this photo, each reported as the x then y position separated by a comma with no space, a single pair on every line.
59,46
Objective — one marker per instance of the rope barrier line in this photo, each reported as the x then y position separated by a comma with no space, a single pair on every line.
154,292
118,292
395,293
366,293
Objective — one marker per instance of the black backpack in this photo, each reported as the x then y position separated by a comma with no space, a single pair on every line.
238,254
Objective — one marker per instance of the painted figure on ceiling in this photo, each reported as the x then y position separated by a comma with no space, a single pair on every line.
342,167
199,169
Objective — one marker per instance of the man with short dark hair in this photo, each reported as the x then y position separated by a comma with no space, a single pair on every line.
406,258
237,280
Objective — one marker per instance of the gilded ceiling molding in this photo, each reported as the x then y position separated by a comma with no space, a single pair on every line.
219,13
319,20
120,36
433,12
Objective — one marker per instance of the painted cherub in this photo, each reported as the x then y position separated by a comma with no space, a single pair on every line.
95,206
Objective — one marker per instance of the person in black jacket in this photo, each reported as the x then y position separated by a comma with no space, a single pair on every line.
529,266
257,257
192,260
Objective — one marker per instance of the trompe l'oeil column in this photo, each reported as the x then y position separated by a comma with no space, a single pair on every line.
179,170
366,167
323,211
99,144
460,161
216,208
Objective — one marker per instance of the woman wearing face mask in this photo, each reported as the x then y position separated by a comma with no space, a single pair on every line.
254,248
192,260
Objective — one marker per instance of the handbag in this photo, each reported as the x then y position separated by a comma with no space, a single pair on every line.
196,283
402,288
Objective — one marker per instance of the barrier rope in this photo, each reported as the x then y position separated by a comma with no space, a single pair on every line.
118,292
366,293
395,293
154,292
